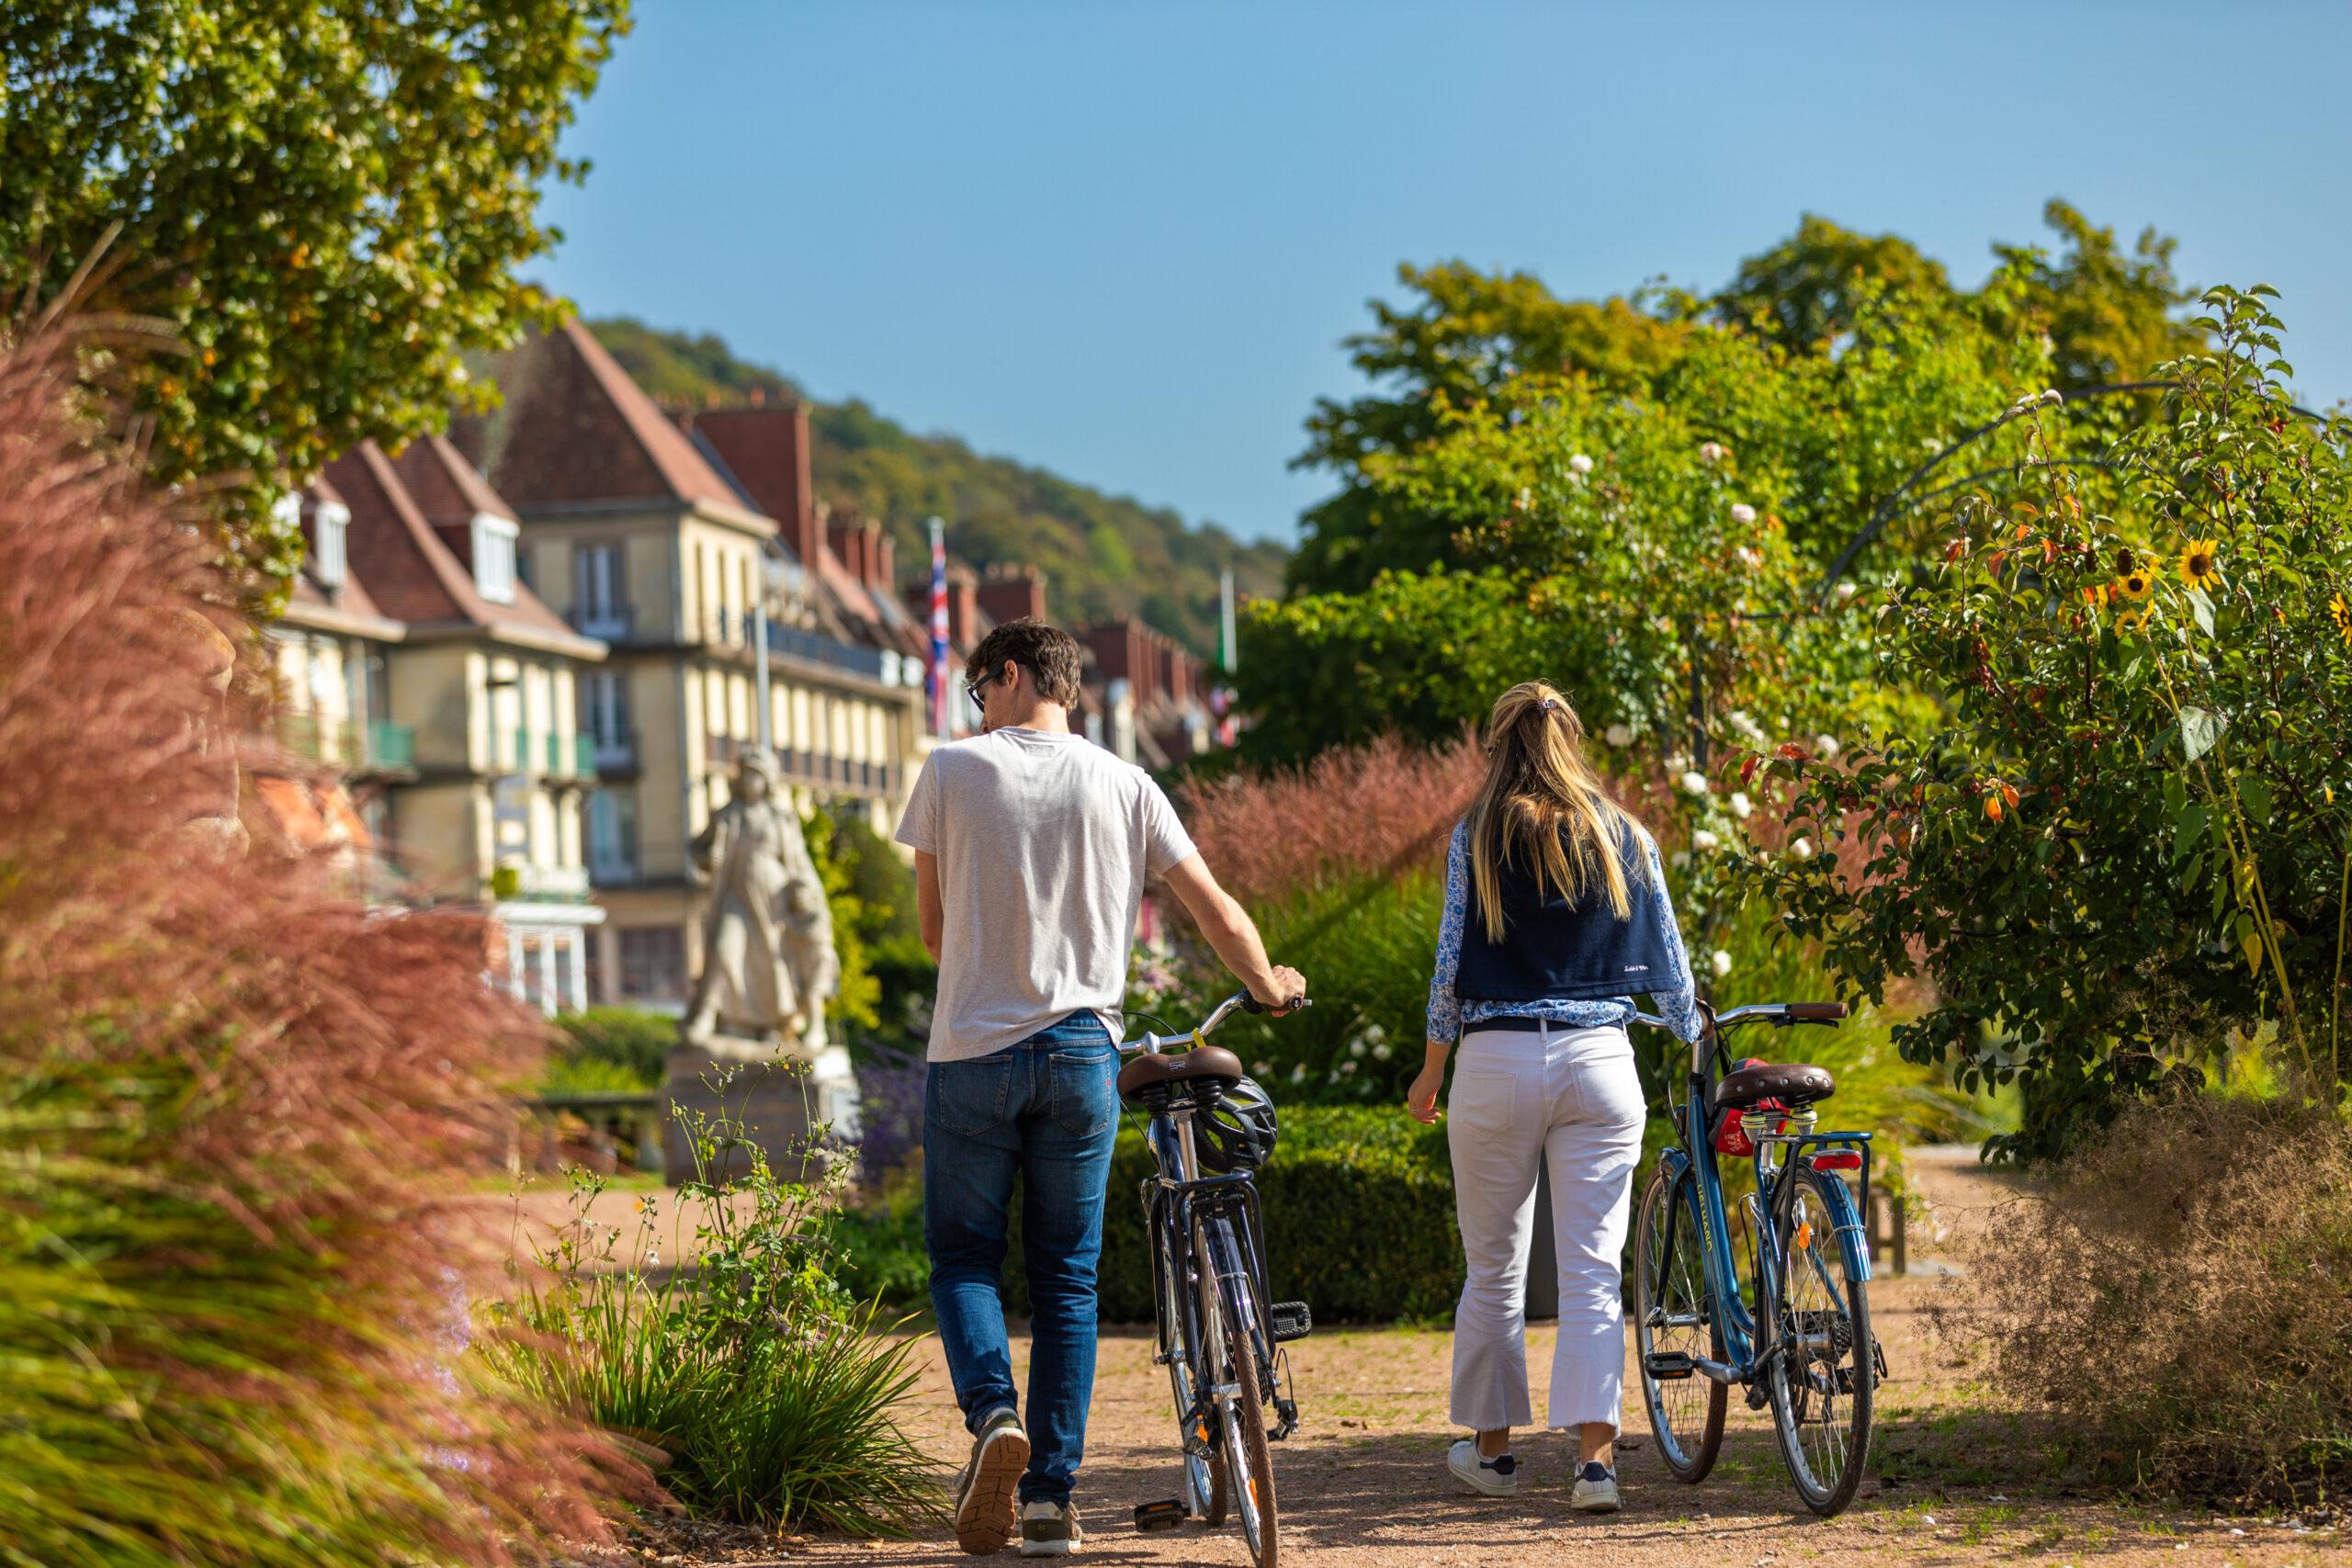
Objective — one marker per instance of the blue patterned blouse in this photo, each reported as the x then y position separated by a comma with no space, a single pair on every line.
1677,1003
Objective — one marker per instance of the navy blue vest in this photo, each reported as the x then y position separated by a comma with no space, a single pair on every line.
1554,951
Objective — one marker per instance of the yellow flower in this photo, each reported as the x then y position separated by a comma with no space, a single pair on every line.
2131,621
2136,584
2199,566
2097,595
2342,614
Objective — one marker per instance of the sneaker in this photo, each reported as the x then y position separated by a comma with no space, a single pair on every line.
1595,1489
984,1493
1497,1477
1049,1529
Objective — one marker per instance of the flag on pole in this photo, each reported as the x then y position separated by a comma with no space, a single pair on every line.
940,678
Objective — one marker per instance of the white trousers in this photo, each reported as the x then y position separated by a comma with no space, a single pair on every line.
1572,1097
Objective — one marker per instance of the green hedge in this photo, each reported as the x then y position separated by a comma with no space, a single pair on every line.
1359,1207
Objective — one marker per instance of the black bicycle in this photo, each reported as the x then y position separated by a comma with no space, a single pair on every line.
1219,1336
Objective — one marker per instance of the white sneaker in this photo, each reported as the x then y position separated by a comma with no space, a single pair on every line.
1497,1477
1049,1529
1595,1489
984,1493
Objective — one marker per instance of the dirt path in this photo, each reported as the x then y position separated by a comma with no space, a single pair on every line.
1363,1484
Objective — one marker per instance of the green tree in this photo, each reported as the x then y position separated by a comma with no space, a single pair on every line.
324,205
2128,833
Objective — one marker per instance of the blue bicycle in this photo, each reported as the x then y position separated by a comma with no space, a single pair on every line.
1795,1332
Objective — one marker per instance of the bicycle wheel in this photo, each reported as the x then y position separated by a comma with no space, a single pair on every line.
1672,1317
1205,1488
1822,1378
1238,1359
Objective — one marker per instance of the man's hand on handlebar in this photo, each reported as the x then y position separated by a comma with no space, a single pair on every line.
1286,995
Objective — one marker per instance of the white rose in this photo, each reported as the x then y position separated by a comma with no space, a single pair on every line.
1704,841
1747,726
1679,859
1347,1069
1618,735
1845,591
1720,963
1738,803
1580,464
1826,745
1382,1053
1260,1069
1298,1072
1357,1047
1801,847
1742,514
1375,1033
1748,558
1710,451
1694,783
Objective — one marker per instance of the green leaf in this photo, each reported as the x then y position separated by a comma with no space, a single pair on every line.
2254,794
2187,830
2201,731
2202,608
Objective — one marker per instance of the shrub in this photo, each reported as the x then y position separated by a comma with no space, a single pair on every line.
612,1047
231,1104
767,1395
2131,828
2176,1289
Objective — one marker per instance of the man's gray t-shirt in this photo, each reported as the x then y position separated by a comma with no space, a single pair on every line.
1043,840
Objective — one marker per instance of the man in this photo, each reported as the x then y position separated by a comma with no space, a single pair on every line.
1031,848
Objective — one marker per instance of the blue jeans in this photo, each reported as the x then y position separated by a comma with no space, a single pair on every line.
1047,1110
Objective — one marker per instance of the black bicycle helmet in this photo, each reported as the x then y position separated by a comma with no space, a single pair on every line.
1238,1133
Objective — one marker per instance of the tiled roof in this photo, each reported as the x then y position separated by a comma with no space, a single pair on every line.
410,574
575,429
447,488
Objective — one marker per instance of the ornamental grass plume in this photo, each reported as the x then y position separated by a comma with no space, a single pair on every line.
232,1308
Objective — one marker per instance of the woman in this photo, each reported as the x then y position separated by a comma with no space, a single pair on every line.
1556,909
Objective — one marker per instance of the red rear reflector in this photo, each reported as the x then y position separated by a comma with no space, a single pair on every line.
1841,1159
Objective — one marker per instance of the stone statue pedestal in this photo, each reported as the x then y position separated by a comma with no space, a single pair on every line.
778,1092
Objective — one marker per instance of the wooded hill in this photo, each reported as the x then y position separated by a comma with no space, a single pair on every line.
1101,554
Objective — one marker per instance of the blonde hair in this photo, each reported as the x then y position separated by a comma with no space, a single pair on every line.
1541,805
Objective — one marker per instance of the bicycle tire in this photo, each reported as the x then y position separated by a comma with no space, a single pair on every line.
1250,1458
1689,1432
1205,1481
1816,1274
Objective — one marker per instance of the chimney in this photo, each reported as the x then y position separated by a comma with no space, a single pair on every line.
886,563
846,536
962,608
1012,592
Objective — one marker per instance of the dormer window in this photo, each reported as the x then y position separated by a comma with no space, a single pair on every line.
330,534
494,557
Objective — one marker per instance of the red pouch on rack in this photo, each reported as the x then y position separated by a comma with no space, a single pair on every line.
1731,1138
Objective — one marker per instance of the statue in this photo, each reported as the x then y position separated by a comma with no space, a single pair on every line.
768,965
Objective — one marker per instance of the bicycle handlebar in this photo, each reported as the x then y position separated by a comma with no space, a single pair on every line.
1240,1001
1779,1015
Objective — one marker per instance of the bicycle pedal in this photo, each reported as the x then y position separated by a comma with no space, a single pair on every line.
1666,1366
1199,1438
1285,1420
1291,1320
1161,1516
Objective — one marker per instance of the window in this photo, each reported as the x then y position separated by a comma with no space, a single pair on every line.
494,557
599,591
612,835
654,962
330,533
603,711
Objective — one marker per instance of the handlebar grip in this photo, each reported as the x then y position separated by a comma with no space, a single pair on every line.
1249,1003
1816,1013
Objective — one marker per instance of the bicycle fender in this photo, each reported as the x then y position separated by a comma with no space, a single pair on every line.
1674,1162
1853,1241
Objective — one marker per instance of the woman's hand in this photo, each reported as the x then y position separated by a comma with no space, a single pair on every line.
1422,1099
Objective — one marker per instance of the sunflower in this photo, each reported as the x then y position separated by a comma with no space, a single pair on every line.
2199,567
2342,614
2135,584
2131,621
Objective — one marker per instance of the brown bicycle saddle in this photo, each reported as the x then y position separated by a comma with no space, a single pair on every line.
1151,1069
1793,1084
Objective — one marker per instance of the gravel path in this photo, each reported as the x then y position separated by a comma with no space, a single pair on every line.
1363,1484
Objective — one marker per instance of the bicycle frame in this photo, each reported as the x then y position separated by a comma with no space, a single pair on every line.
1739,1339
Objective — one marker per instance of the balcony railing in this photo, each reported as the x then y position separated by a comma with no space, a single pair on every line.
584,755
610,622
800,644
541,883
392,745
614,751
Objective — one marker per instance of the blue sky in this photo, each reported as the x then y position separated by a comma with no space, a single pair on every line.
1125,241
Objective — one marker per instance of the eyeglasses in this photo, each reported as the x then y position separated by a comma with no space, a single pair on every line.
972,688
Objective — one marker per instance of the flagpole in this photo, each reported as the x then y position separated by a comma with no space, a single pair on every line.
940,718
1227,654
